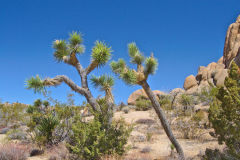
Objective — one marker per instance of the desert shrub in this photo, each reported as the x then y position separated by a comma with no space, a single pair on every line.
16,134
143,104
12,151
224,113
145,121
165,101
218,155
149,136
192,126
91,140
187,101
12,113
207,95
125,110
44,132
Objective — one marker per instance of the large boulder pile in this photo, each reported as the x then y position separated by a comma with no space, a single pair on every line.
133,97
215,73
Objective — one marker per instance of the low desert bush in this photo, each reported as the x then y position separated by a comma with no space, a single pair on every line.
143,104
16,134
145,121
92,140
12,113
13,151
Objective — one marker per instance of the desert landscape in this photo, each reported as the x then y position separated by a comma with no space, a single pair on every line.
199,121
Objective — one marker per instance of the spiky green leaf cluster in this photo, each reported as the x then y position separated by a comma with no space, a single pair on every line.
132,49
103,82
36,84
64,48
101,53
135,54
119,66
150,65
129,77
61,49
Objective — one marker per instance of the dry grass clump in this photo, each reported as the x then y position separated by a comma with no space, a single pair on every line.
146,121
58,152
12,151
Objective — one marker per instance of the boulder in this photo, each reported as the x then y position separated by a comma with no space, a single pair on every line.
232,43
190,82
220,61
133,97
220,77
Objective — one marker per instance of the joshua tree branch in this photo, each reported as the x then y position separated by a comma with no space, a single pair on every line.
91,67
62,78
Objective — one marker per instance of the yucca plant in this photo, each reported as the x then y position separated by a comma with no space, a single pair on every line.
139,77
46,127
67,51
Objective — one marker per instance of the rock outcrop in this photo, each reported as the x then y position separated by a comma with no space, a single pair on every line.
190,82
133,97
215,73
232,44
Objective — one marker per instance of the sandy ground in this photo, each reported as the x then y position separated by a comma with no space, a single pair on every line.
160,146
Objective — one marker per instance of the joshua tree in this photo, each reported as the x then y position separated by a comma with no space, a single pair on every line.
139,77
105,83
67,52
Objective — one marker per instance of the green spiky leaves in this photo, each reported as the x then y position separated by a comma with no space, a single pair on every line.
36,84
64,48
103,82
129,77
119,66
132,49
150,65
61,49
101,53
135,54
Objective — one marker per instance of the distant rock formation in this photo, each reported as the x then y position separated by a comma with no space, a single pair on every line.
215,73
133,97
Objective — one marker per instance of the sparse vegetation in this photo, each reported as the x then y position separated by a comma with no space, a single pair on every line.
143,104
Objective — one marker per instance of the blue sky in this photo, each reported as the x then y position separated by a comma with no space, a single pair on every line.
182,34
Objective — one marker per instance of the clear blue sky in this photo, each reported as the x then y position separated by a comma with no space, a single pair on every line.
182,34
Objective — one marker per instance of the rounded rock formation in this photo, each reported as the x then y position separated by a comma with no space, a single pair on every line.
133,97
190,82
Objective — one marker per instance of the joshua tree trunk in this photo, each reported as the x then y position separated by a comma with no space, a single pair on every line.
110,103
163,119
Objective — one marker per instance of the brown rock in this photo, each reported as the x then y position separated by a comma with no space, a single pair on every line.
133,97
190,82
232,43
220,61
220,77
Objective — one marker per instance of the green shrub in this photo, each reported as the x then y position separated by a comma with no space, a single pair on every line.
91,140
46,127
12,113
187,101
224,113
165,101
143,104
